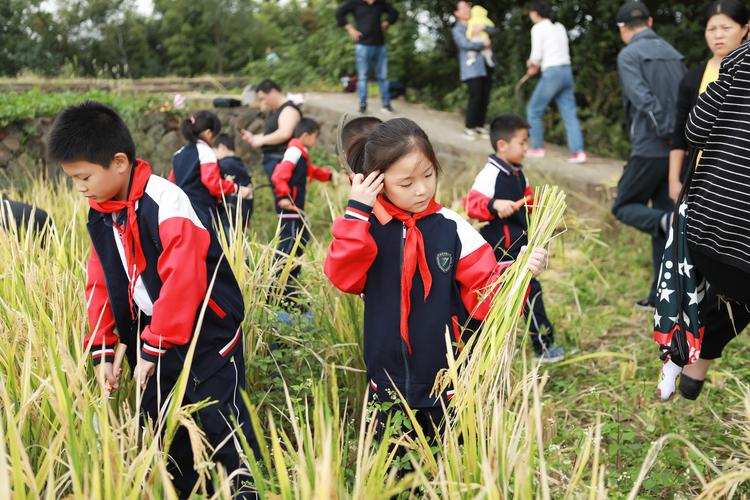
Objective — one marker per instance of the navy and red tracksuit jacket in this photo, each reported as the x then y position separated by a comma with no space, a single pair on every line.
195,169
290,176
182,257
499,180
367,255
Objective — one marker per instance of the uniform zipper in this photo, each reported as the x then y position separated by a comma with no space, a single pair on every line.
404,352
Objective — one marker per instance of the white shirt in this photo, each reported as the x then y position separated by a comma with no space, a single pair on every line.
549,44
140,294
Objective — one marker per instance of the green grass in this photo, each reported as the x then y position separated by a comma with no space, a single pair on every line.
19,106
579,429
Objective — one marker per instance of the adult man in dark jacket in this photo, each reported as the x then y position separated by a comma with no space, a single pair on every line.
650,72
369,48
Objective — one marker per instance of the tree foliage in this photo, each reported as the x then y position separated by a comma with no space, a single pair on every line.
110,38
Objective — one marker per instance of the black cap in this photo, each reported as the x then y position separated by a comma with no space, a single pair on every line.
632,11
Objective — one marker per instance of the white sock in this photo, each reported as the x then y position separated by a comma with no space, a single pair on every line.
667,386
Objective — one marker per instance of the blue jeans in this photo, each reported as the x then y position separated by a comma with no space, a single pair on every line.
556,83
377,57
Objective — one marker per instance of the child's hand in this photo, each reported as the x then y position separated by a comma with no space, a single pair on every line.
143,371
111,381
286,204
504,208
245,192
366,189
537,260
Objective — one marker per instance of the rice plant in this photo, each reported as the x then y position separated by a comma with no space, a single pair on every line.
60,436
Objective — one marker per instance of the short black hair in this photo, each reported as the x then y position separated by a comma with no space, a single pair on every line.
636,23
226,140
504,126
353,137
306,126
542,8
734,9
90,132
267,86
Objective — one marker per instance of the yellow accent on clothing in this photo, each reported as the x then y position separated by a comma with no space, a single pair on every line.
479,18
710,75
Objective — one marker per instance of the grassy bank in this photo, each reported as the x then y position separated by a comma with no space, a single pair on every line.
580,428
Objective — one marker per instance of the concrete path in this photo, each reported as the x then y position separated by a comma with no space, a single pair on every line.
597,178
593,183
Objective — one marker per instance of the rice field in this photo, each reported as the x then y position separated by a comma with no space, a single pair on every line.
590,427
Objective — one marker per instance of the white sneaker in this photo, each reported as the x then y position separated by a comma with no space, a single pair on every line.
536,153
578,158
470,134
482,131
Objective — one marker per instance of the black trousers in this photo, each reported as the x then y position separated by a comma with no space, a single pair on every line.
223,387
479,99
645,180
290,229
540,327
431,420
723,320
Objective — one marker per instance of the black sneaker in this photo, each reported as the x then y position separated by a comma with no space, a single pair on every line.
387,109
644,305
689,387
363,107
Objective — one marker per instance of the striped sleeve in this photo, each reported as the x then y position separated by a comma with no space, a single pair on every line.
352,250
181,267
477,268
706,109
211,175
101,337
478,203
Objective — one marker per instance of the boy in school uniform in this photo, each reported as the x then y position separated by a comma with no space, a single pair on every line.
232,167
147,278
289,182
502,196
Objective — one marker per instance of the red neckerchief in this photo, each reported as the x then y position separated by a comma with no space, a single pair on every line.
131,239
414,258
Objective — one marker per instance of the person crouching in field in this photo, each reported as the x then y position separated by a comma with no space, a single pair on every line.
234,169
195,168
419,265
147,279
502,196
289,182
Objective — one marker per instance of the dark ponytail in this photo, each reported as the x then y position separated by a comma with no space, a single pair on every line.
355,153
734,9
353,139
200,121
389,142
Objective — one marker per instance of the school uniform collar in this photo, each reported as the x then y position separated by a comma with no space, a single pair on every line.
504,166
380,213
414,259
131,237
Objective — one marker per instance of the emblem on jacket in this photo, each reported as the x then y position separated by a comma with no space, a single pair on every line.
444,261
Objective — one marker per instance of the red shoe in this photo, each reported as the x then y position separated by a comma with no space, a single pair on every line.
535,153
579,157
